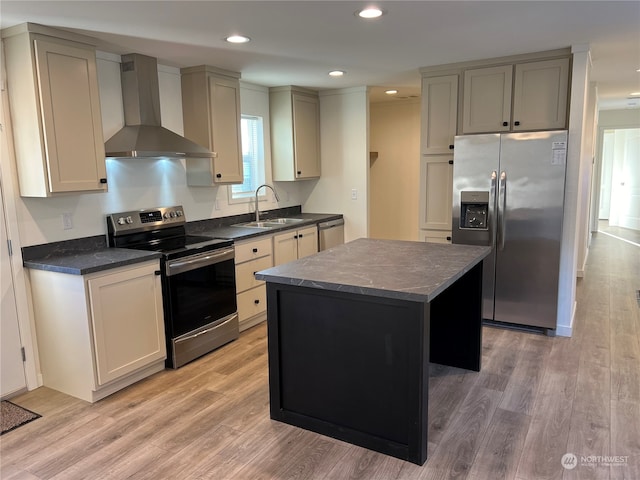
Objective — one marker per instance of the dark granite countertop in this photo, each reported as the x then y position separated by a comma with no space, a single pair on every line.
91,254
81,263
212,228
416,271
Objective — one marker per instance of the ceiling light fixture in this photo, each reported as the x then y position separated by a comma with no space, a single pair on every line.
391,92
634,94
237,39
336,73
370,12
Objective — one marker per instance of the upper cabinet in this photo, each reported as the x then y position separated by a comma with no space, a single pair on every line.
211,115
521,97
52,86
540,95
439,113
295,133
486,106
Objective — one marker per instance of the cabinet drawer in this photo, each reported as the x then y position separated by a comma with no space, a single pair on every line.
244,273
252,302
252,250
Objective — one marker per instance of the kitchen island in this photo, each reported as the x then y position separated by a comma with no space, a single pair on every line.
352,330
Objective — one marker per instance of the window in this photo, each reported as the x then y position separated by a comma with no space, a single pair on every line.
252,159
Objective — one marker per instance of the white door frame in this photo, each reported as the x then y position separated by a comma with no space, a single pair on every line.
595,210
11,197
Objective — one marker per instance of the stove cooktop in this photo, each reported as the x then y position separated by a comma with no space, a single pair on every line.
175,247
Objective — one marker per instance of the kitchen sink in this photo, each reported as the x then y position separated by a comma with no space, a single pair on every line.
269,223
283,221
254,225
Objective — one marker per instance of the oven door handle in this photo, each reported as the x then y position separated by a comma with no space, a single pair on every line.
191,263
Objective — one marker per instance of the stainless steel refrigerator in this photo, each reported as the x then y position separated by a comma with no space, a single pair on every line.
508,192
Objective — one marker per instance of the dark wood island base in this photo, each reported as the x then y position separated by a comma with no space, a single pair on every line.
354,365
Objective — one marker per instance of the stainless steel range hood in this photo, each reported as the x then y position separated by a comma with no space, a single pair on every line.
143,136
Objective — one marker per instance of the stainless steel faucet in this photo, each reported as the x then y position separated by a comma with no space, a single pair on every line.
274,193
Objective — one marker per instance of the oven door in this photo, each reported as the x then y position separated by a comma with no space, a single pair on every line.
200,294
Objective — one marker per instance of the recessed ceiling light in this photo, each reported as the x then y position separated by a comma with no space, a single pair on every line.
237,39
391,92
336,73
370,12
635,94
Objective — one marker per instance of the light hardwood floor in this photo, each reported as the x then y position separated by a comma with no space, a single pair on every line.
535,399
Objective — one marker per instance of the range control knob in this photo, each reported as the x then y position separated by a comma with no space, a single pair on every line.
172,214
166,215
121,221
179,213
129,220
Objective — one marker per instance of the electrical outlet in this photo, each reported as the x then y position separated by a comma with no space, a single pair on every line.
67,221
354,194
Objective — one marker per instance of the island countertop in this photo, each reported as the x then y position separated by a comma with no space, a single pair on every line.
416,271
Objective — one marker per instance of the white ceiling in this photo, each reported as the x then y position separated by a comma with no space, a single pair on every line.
299,42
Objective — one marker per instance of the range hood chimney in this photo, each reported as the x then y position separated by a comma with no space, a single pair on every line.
143,136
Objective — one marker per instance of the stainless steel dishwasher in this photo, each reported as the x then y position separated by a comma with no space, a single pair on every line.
330,233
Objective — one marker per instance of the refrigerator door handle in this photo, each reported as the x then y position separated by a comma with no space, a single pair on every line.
492,208
502,209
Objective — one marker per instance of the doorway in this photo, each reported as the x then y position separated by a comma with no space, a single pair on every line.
12,373
619,205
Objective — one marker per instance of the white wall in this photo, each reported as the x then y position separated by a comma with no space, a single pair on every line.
143,183
574,203
394,177
344,151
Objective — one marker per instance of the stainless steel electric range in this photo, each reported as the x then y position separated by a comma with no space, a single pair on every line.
198,279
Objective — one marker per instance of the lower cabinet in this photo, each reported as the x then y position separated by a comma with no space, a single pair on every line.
100,332
252,256
434,236
294,244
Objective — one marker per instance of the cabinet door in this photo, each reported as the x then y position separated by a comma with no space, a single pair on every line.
71,119
540,95
285,247
435,236
306,136
252,302
127,321
487,100
307,241
224,108
440,113
436,192
245,278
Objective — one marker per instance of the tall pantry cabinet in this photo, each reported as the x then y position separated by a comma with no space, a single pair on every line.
438,129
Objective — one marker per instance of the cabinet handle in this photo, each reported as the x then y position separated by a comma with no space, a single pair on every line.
450,162
218,175
449,238
299,172
295,236
505,124
450,147
300,236
256,301
157,272
254,250
516,124
103,180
